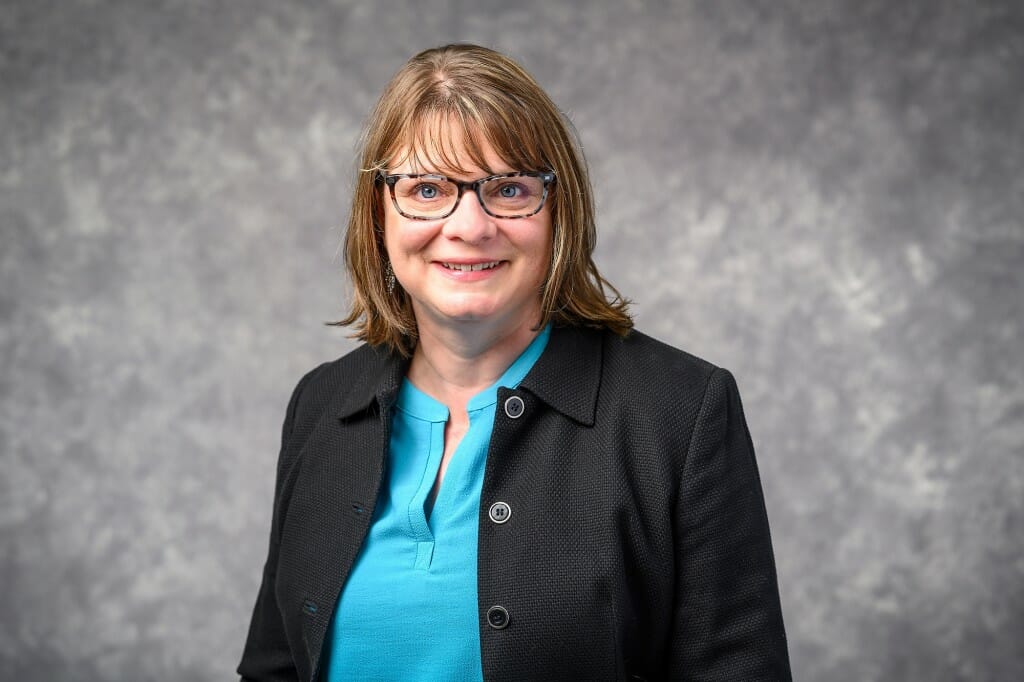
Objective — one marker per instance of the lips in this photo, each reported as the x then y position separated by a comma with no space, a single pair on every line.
471,267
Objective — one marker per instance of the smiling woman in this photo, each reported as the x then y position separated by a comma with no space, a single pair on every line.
506,482
457,112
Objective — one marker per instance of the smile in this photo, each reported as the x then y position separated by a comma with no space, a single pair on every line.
474,267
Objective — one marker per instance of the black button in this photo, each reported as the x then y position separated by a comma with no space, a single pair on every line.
497,617
514,407
500,512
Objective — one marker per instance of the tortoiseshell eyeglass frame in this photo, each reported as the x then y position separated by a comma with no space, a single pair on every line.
547,177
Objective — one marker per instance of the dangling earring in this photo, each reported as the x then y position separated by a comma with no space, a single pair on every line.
389,277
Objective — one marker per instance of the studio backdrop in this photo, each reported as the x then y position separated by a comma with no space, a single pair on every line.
824,197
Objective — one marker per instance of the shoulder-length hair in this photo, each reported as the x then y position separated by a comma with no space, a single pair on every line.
470,93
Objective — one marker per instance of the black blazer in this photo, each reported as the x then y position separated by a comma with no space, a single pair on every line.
637,546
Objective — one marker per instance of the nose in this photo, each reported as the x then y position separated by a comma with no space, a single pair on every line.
469,223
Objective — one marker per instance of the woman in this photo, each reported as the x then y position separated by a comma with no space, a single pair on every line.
505,482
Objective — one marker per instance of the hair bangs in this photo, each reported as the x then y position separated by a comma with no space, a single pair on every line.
448,133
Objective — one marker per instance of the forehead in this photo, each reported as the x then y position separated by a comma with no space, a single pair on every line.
438,145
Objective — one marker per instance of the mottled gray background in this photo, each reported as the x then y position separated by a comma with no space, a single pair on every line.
824,196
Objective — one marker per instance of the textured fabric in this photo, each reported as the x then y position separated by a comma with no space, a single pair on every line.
413,588
637,545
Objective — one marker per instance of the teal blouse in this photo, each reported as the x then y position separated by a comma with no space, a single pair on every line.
409,608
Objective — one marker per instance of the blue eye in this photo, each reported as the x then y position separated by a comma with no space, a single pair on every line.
427,191
509,191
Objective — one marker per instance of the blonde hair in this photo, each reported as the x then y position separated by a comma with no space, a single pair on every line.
465,93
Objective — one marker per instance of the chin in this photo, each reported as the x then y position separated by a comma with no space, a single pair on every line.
469,309
468,315
475,313
479,308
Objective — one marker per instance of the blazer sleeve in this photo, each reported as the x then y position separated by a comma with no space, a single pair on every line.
267,656
727,616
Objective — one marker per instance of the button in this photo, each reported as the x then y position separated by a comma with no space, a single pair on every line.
500,512
514,407
497,617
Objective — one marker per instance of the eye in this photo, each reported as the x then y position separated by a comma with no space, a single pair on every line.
510,190
426,191
423,190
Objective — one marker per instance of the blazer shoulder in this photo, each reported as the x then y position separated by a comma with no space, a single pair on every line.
343,370
656,366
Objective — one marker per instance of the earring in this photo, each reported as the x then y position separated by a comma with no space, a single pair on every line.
389,277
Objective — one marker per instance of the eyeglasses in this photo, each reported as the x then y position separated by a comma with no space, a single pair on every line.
428,196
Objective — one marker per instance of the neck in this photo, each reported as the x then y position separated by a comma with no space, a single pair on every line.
455,362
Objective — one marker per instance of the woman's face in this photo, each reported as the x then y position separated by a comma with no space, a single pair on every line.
434,260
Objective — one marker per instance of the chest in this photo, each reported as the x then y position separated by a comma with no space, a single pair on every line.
574,537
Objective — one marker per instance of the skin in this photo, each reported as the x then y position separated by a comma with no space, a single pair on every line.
472,325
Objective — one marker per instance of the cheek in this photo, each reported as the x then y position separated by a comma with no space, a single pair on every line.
543,247
403,236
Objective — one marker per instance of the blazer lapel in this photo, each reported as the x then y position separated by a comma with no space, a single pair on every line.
337,488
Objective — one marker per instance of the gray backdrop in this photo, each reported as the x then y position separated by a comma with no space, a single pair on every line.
824,196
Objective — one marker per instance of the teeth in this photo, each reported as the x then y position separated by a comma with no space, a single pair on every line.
475,267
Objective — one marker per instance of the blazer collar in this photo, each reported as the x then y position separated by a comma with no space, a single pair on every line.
378,377
568,373
566,376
